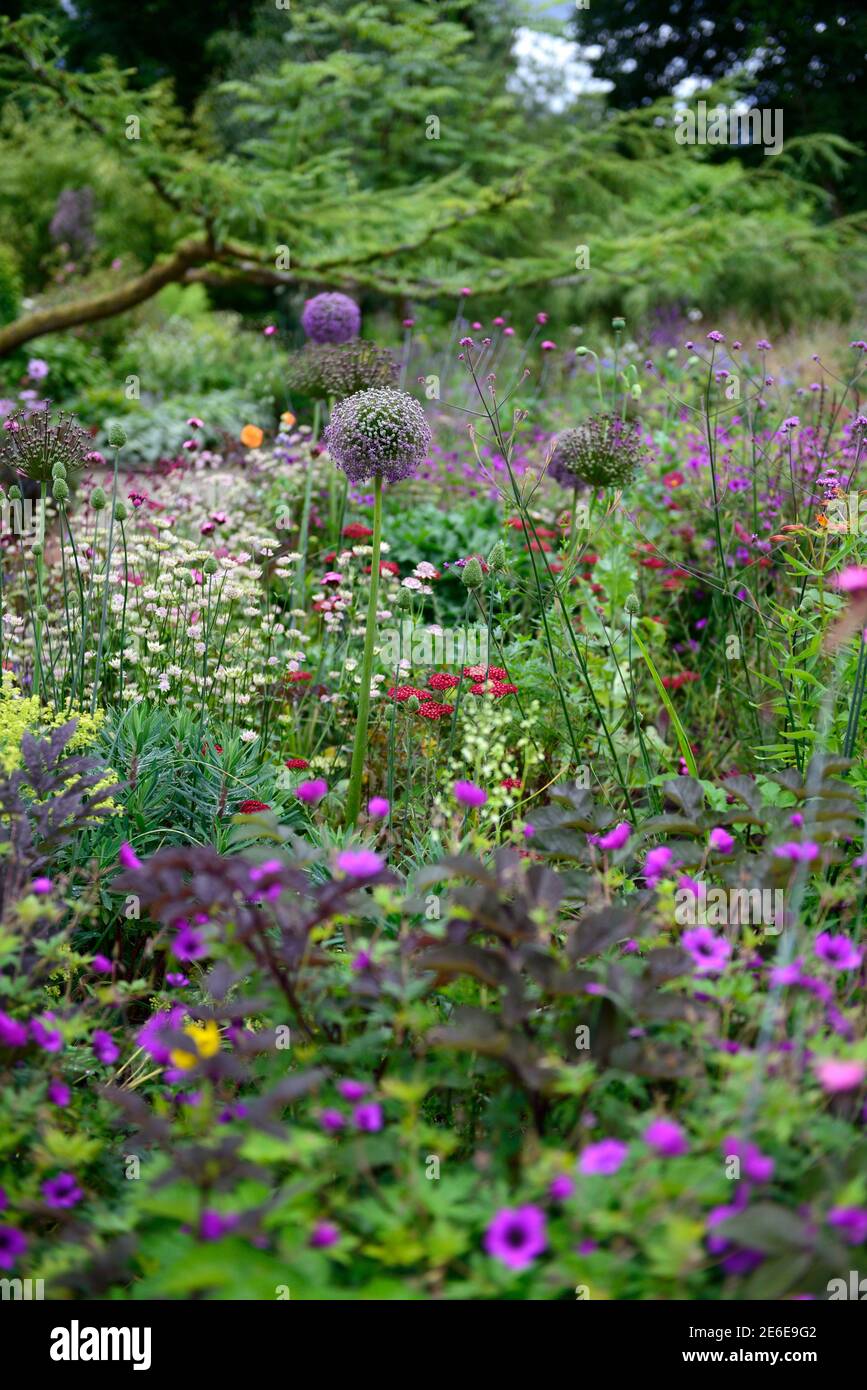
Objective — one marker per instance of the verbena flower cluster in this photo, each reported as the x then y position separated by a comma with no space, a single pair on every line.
331,318
378,431
327,371
604,452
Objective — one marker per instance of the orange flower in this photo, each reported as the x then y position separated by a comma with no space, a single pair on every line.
251,436
287,419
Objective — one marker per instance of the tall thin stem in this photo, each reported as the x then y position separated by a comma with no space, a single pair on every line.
353,801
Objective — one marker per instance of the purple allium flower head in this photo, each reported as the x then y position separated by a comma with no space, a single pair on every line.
851,1221
378,807
311,793
709,953
368,1117
360,863
838,951
59,1093
604,1157
614,839
105,1048
13,1243
331,318
352,1090
324,1234
666,1138
468,794
516,1236
331,1120
561,1187
378,431
62,1191
12,1033
721,840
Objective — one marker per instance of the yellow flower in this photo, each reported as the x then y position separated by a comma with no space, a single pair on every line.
205,1037
251,436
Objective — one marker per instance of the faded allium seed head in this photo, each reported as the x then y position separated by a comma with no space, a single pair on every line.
378,431
604,452
34,445
331,318
338,370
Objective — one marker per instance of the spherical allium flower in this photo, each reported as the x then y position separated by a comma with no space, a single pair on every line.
605,1157
709,953
604,452
666,1138
838,951
13,1243
338,370
468,794
34,445
360,863
331,318
378,431
516,1236
312,792
61,1192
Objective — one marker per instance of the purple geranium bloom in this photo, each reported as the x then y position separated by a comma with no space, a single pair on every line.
59,1093
352,1090
656,863
368,1117
604,1157
851,1221
13,1243
214,1224
561,1187
331,1120
615,839
62,1191
12,1033
838,951
721,840
756,1166
189,944
709,953
324,1234
104,1046
787,974
516,1236
151,1038
468,794
311,793
48,1038
666,1138
360,863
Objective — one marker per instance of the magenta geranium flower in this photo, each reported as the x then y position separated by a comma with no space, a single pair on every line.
13,1243
12,1033
666,1138
45,1035
604,1157
721,840
838,951
331,1120
516,1236
105,1048
368,1117
62,1192
656,863
710,953
188,943
614,839
755,1166
851,1222
561,1187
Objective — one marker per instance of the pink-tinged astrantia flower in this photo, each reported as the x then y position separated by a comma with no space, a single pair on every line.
516,1236
838,951
613,839
721,840
710,953
604,1157
837,1075
666,1138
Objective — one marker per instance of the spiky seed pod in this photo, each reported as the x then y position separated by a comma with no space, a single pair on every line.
331,318
98,500
116,435
497,561
336,370
471,574
604,452
378,431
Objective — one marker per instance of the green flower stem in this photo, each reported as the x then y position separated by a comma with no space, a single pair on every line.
105,588
300,573
353,801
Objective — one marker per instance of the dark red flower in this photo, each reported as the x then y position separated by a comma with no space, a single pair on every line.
511,783
293,677
496,688
478,673
297,763
441,680
248,807
356,531
431,709
405,692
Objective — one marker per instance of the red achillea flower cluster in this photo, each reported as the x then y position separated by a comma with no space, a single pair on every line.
299,763
493,673
432,709
682,678
248,807
405,692
512,784
356,531
442,680
496,688
293,677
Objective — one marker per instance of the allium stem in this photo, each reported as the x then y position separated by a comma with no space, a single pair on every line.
359,749
105,587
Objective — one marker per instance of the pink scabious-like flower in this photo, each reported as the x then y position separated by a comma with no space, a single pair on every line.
666,1138
614,839
838,951
852,580
837,1075
378,807
797,852
360,863
710,953
721,840
605,1157
311,793
468,794
516,1236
